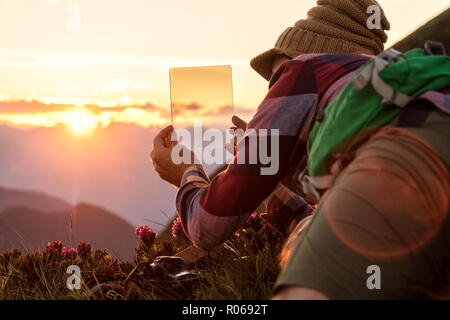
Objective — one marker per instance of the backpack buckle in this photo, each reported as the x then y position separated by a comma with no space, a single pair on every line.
433,48
391,56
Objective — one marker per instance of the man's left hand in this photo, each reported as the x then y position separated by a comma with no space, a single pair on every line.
162,160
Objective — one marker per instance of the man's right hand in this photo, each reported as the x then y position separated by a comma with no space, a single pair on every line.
238,124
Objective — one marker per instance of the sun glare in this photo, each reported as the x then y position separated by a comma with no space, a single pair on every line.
80,122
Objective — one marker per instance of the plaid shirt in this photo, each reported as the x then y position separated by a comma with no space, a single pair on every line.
211,211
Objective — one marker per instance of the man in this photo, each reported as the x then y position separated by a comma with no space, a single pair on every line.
387,211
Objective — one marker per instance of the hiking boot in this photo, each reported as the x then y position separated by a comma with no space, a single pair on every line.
166,275
105,291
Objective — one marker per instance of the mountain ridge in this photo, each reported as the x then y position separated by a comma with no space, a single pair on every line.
29,229
34,199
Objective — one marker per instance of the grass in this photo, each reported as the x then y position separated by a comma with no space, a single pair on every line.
246,267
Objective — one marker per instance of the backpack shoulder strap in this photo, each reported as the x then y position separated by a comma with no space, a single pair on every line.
370,74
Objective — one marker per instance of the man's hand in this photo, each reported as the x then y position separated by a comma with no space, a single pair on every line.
238,124
162,160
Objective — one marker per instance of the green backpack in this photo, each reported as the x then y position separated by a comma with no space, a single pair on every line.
373,97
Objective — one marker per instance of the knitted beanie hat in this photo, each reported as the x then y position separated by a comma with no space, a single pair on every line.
333,26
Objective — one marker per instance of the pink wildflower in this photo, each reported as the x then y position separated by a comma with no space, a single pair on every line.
83,246
54,248
15,253
69,253
108,263
177,228
84,250
5,256
253,222
146,234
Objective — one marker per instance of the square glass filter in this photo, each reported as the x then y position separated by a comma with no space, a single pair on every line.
202,97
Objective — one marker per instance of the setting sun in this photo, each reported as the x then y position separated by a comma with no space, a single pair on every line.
80,122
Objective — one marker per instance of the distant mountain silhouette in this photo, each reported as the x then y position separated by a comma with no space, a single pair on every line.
110,168
27,228
33,199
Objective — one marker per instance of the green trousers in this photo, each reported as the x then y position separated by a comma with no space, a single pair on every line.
382,231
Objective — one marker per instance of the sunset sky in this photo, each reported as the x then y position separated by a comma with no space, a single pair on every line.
114,64
205,93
